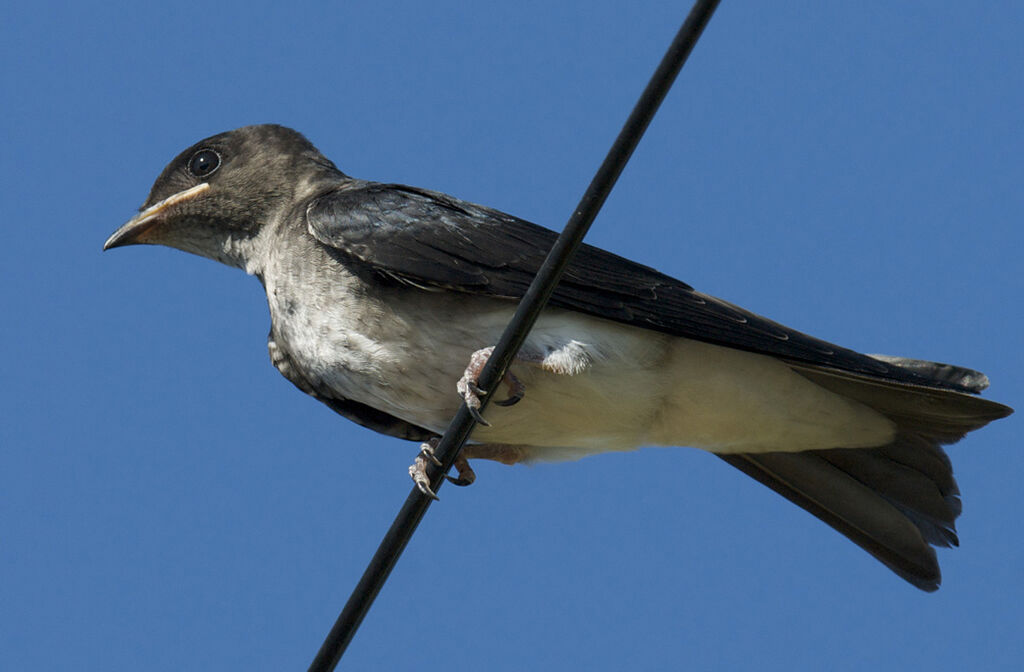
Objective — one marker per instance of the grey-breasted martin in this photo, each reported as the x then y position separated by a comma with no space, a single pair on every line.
380,293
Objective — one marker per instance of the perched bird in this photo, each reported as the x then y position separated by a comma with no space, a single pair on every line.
380,294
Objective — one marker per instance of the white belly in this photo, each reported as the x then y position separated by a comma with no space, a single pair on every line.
650,389
403,353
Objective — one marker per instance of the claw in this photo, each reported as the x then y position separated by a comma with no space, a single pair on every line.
474,410
471,392
427,450
511,401
516,390
418,469
418,473
466,474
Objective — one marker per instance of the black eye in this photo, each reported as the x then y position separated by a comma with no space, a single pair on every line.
204,162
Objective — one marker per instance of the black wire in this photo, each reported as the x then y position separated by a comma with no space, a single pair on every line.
526,314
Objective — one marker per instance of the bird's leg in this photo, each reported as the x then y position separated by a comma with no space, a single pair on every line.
471,393
418,469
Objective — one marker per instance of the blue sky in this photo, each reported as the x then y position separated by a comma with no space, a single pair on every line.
169,502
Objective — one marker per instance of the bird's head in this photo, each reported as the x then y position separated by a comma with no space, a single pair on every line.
219,193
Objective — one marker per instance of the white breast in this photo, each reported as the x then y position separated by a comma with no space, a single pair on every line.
401,350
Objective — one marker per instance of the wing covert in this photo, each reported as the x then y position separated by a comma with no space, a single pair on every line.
433,241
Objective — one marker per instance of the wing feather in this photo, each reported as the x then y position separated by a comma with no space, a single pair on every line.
432,240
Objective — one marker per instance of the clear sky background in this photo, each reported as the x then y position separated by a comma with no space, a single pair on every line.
169,502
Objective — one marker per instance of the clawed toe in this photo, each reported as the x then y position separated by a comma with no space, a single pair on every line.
516,391
511,401
418,473
418,469
466,474
427,451
471,392
474,410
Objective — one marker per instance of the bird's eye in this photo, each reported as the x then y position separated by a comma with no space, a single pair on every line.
204,162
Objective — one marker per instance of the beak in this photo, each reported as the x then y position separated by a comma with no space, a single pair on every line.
135,230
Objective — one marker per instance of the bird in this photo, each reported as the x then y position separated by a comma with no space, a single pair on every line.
381,295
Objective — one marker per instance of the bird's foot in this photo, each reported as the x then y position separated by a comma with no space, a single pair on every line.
418,473
471,392
418,469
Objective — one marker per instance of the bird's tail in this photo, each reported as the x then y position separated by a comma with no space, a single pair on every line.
899,500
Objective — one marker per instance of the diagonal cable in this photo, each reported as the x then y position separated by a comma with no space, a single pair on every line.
515,333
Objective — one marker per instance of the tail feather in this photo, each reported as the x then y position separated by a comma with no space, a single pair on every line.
849,506
932,504
894,501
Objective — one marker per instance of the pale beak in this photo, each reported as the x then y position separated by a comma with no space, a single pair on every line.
135,229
